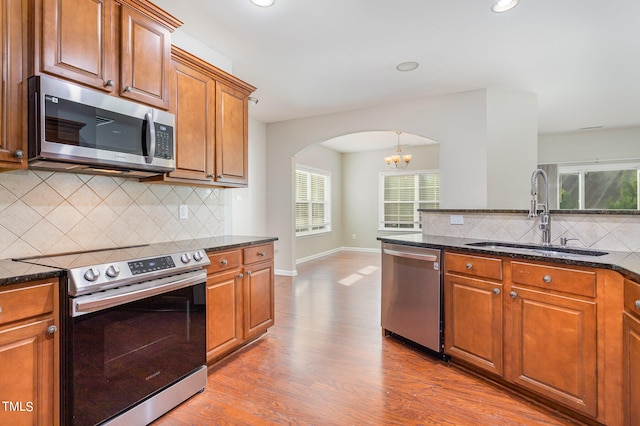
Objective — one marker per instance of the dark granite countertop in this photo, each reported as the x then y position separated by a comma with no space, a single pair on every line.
526,212
626,263
16,272
12,272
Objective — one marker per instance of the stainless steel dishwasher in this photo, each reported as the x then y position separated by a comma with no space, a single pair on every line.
412,295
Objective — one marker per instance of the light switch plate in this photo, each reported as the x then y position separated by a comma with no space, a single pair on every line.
457,220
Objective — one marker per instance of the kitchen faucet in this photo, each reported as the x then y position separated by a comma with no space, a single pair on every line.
545,218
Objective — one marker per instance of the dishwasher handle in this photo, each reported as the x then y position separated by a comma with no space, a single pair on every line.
410,255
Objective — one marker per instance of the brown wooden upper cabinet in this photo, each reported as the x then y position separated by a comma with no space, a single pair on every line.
121,47
12,122
211,108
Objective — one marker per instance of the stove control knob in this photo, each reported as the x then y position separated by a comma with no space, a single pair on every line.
92,274
197,256
113,271
185,258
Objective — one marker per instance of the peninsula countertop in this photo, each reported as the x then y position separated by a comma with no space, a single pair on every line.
626,263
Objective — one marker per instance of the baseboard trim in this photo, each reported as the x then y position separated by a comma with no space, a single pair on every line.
336,250
285,272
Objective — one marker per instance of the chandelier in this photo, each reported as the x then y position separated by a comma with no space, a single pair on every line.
398,160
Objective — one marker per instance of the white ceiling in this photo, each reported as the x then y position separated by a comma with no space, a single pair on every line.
581,57
375,140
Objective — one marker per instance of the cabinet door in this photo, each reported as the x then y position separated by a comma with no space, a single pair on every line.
145,59
231,135
473,323
12,138
27,379
77,41
258,299
631,370
224,313
553,345
193,103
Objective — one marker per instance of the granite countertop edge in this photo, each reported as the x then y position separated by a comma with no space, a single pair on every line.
17,272
626,263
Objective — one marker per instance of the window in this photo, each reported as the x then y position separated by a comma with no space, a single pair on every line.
402,194
599,187
313,208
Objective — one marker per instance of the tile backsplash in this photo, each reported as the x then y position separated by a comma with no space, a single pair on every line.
615,232
47,212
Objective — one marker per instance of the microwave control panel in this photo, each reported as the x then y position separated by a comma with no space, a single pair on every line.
164,141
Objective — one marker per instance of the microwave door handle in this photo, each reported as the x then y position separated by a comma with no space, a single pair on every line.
150,138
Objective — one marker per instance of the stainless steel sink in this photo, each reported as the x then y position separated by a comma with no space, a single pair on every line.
538,249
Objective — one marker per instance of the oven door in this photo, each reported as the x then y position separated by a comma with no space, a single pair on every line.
121,355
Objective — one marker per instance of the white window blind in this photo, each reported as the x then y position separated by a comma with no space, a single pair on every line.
312,202
402,194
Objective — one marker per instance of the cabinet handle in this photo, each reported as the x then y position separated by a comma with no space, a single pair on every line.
248,273
211,176
52,329
18,153
127,88
240,276
469,265
261,253
0,309
223,262
513,294
496,291
546,278
637,305
109,83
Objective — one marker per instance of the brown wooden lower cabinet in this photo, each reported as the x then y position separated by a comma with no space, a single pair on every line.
474,322
631,353
553,340
240,298
631,370
544,329
28,354
258,299
224,313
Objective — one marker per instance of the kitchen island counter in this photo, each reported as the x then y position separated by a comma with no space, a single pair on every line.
626,263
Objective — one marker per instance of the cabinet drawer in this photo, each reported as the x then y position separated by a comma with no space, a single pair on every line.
477,266
632,297
20,302
223,261
258,253
551,278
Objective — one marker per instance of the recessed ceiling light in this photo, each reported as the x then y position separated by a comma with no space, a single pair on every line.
407,66
504,5
263,3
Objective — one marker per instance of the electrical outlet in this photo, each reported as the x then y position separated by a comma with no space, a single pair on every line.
353,236
184,211
457,220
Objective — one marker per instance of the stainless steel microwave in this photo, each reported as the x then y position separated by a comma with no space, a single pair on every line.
76,129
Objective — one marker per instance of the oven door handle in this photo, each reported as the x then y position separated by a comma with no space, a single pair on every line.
119,296
410,255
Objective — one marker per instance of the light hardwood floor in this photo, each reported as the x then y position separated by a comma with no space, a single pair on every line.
325,362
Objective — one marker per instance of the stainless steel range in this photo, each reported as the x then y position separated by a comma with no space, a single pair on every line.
133,342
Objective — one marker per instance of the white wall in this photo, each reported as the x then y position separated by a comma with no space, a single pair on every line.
512,127
361,194
328,160
589,145
458,122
